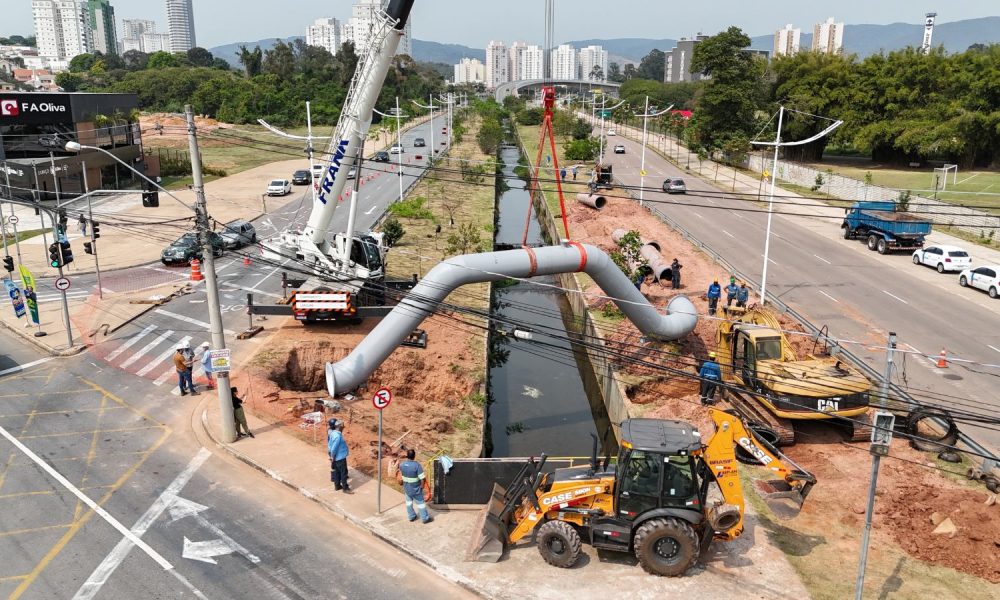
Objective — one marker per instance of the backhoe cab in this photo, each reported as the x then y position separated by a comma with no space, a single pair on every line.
669,495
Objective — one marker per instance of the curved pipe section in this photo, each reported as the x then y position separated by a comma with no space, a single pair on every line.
592,200
618,234
570,257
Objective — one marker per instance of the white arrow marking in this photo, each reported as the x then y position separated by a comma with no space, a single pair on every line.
204,551
371,210
181,507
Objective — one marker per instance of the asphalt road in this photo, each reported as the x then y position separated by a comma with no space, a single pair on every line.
859,294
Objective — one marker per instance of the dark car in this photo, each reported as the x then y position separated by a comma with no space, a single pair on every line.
186,248
419,143
381,156
301,177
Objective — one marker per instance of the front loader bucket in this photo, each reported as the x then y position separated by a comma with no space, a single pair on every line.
489,534
779,489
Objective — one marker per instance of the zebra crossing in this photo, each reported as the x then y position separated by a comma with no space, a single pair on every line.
149,352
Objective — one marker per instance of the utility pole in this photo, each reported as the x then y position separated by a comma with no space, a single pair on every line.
645,140
93,240
399,155
881,437
58,240
228,424
309,149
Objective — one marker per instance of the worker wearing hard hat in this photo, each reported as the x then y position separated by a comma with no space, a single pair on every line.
714,293
742,295
183,361
710,375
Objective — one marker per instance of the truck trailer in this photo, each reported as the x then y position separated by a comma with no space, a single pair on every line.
885,228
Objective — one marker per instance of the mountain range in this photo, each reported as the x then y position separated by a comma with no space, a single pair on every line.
862,40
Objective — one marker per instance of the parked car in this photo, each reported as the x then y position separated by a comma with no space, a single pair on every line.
419,143
381,156
982,278
611,133
620,149
674,185
301,177
395,149
318,170
352,173
187,248
279,187
943,258
239,233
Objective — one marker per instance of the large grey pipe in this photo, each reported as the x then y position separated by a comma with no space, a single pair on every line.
570,257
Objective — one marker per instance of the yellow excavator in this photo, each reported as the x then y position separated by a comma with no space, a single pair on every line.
769,385
669,495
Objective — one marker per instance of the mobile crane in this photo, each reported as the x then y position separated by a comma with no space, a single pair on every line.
670,494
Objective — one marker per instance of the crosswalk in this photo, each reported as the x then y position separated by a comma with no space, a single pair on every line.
149,352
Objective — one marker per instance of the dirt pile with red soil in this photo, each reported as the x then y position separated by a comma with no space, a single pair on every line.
167,129
429,387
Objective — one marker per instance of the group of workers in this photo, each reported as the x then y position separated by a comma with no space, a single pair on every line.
734,293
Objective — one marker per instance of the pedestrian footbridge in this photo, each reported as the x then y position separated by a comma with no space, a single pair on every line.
578,86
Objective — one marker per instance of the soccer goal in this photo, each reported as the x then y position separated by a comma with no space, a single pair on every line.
942,182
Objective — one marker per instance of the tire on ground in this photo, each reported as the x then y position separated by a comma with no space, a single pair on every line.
559,544
666,547
931,444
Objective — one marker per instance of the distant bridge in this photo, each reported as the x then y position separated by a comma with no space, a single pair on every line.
514,88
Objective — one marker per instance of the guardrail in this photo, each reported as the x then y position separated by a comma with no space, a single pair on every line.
988,464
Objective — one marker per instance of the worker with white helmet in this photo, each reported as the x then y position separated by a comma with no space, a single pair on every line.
206,363
183,361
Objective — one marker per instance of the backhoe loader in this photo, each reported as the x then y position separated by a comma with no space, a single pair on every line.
770,386
669,495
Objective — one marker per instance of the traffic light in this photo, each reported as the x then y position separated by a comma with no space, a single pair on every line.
63,221
67,253
95,230
8,263
55,259
88,248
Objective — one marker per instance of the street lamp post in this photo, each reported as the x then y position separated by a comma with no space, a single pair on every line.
642,168
399,142
58,241
431,108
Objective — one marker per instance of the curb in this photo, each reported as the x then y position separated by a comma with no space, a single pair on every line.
443,571
41,346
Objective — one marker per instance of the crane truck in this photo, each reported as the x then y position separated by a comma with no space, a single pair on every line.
354,262
669,496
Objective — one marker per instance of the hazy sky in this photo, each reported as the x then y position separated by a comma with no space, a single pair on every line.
475,22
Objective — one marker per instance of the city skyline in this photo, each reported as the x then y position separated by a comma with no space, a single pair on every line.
220,22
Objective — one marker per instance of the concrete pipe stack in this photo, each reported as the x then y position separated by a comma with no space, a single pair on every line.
592,200
650,250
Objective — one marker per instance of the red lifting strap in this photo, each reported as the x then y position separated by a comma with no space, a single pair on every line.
583,255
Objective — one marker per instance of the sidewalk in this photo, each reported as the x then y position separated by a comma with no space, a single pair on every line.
750,565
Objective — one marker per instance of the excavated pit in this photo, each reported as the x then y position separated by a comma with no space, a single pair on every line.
303,370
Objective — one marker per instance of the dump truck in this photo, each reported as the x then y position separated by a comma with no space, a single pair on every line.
764,379
670,494
885,228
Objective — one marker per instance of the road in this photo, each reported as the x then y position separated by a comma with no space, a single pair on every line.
859,294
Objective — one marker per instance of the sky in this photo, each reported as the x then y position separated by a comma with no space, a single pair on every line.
475,22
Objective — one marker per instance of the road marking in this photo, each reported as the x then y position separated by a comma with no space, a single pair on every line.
822,259
25,366
162,357
130,343
987,345
181,508
142,351
192,320
729,234
737,215
100,576
828,296
895,296
697,214
771,260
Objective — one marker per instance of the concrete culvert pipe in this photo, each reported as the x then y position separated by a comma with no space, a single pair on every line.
660,268
592,200
569,257
618,234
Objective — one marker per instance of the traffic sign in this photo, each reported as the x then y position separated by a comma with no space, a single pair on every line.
13,219
221,360
382,398
62,284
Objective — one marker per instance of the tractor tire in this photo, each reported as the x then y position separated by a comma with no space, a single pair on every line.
559,544
666,547
872,242
882,246
930,444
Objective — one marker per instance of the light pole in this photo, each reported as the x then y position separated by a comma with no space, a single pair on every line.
431,108
93,238
777,143
604,108
309,137
642,168
58,241
399,143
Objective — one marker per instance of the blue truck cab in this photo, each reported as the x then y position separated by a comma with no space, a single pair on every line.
884,228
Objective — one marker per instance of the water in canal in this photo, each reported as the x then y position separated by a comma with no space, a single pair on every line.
543,396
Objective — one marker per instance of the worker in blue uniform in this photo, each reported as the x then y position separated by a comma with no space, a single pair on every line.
413,487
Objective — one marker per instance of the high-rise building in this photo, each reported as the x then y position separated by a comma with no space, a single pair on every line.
102,22
786,41
515,54
828,37
678,61
180,25
497,64
532,63
155,42
470,70
325,33
358,28
564,62
592,59
132,32
62,28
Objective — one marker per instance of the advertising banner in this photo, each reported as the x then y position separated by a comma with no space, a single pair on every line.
29,293
15,297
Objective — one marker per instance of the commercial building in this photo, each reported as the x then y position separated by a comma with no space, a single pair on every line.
678,61
564,65
102,23
358,28
828,37
180,25
497,64
593,59
33,128
325,33
786,41
470,70
62,28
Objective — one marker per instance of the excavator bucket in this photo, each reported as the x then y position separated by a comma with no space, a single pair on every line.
489,534
779,489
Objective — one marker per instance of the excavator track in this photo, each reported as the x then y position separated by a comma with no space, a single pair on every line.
754,412
860,427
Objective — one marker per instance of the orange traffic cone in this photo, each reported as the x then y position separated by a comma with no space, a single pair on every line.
246,260
196,270
942,362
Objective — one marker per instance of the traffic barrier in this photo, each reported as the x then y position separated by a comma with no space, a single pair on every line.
196,270
942,362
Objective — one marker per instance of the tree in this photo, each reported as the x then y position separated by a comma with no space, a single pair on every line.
467,240
629,73
251,60
70,82
220,64
280,60
490,135
135,60
585,149
81,63
596,73
199,57
653,65
628,257
615,73
162,60
393,231
529,116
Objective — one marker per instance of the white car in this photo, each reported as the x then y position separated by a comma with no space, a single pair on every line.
279,187
611,133
395,149
318,170
620,149
943,258
983,278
